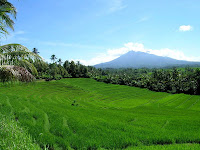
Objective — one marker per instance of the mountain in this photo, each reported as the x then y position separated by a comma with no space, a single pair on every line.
134,59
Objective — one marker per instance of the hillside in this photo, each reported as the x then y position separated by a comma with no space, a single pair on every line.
134,59
83,113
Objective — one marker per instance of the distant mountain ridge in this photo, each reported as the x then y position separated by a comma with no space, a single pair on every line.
134,59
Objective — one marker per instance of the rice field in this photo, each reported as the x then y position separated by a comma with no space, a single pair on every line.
13,137
85,114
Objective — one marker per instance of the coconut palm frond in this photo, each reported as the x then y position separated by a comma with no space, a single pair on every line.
3,29
18,50
13,47
19,55
7,7
29,66
7,12
7,21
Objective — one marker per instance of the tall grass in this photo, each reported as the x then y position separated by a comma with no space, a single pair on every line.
13,137
168,147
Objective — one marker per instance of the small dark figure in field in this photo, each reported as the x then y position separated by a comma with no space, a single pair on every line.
16,118
74,103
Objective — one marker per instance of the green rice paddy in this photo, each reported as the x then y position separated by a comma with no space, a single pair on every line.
85,114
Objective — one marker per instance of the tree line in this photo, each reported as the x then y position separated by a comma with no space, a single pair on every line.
58,69
172,80
175,80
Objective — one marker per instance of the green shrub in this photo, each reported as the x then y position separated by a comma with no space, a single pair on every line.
6,75
11,73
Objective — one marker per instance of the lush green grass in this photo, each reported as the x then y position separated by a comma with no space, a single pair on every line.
168,147
13,137
83,113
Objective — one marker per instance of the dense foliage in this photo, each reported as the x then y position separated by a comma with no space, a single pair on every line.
19,55
183,80
56,70
15,73
6,75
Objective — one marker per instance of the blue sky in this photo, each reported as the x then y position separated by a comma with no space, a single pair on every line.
95,31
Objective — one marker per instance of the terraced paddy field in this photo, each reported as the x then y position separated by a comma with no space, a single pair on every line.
85,114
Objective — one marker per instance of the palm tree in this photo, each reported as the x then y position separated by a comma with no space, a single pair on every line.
6,11
35,50
53,58
60,61
19,55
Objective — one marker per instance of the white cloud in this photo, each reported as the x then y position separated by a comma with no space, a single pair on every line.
116,5
185,28
138,47
100,58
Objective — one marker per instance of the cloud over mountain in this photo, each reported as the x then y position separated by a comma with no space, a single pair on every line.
137,47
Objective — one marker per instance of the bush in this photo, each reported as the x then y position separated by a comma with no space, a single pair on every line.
6,75
11,73
23,74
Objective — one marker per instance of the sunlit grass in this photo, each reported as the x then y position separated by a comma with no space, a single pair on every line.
13,137
83,113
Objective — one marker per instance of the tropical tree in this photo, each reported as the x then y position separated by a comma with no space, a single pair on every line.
7,11
73,69
66,65
19,55
53,58
42,67
35,50
60,61
54,70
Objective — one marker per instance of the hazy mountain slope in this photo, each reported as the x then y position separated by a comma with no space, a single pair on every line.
140,59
